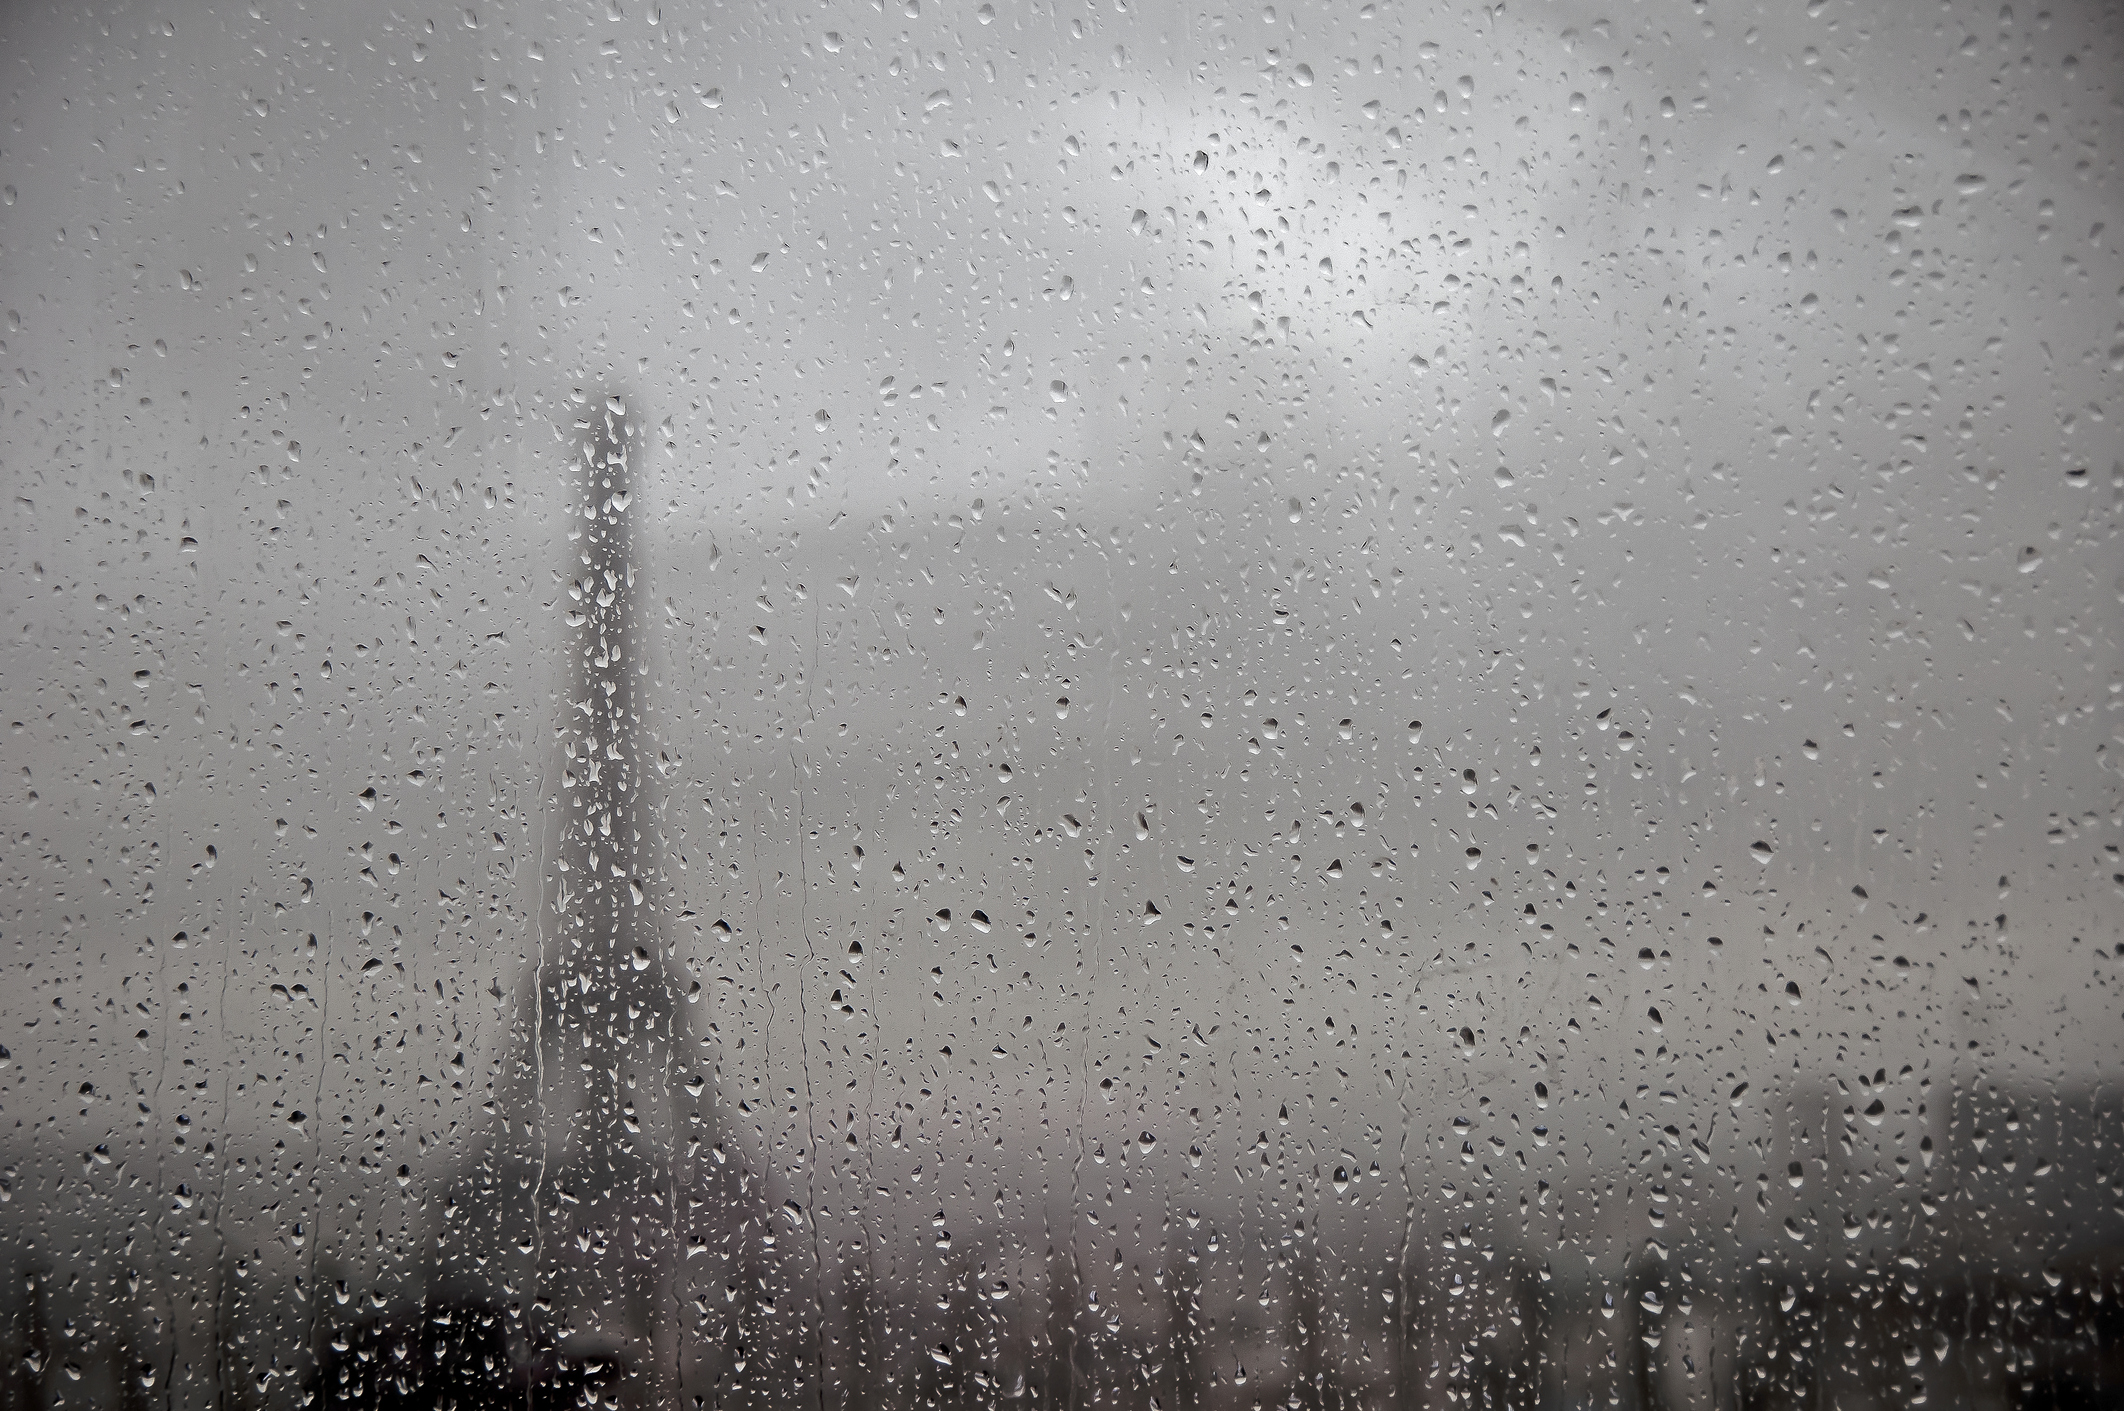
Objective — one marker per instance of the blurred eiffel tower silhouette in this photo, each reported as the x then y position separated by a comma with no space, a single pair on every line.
566,1246
611,1044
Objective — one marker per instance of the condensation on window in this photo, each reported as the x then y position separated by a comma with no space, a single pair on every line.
1315,706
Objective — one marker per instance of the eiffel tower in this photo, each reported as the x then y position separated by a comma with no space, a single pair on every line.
611,1045
572,1256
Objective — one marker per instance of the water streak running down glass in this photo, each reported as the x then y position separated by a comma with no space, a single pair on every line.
1337,707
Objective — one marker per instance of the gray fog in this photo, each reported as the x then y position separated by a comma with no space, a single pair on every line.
1402,662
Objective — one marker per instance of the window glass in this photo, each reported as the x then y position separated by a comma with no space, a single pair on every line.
1310,705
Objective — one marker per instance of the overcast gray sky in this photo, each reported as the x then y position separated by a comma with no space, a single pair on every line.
1080,447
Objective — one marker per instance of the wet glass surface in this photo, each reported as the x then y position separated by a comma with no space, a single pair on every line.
909,705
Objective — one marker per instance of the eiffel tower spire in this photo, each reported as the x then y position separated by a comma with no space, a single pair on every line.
608,1021
601,1205
601,1184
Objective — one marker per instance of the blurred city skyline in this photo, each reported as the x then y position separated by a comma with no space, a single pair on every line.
1329,617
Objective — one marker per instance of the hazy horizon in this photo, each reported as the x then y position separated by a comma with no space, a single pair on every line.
1217,597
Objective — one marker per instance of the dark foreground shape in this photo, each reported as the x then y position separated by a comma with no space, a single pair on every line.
457,1360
